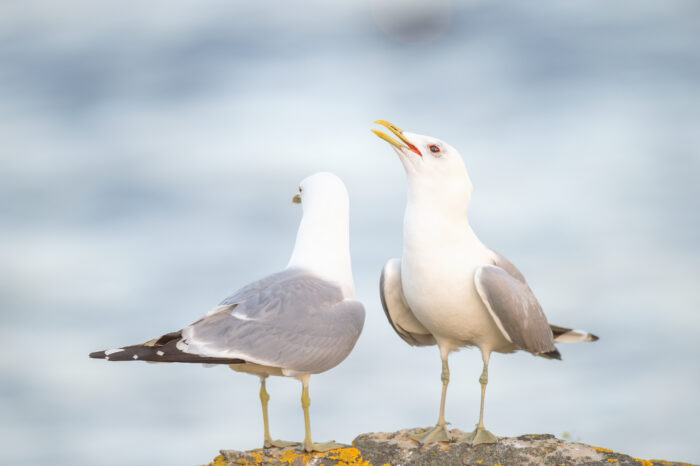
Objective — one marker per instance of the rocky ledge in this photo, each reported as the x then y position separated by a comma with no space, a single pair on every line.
397,448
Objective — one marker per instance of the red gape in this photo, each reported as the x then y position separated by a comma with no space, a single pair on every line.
414,149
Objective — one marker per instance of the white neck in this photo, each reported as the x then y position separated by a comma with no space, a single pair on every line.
436,212
440,196
323,248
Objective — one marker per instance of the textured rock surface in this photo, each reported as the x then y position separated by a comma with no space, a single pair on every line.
291,456
397,448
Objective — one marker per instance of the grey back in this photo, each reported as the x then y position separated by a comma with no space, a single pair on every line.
292,319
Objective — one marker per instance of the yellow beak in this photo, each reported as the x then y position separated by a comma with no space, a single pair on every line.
398,132
297,199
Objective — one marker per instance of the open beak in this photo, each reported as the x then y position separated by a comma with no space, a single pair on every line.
398,132
297,198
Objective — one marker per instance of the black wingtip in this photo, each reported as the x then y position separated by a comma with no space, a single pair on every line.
153,351
594,337
553,354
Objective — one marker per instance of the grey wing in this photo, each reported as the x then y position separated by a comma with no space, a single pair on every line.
292,320
516,311
561,334
502,261
397,310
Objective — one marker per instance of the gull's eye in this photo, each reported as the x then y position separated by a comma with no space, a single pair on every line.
434,149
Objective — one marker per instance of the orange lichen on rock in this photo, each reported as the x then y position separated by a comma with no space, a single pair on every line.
219,461
288,456
257,456
348,457
603,450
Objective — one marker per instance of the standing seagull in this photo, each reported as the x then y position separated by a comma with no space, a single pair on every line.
301,321
449,289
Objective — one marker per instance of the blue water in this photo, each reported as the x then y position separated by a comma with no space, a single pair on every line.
148,155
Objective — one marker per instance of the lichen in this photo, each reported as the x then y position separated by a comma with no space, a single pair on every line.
349,457
219,461
257,456
288,456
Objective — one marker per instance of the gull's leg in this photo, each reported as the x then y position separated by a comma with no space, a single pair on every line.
480,434
439,433
305,403
264,398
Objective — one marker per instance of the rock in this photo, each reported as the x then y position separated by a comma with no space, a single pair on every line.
543,449
291,456
397,448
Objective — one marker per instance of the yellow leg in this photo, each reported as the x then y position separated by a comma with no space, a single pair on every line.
445,377
439,433
264,398
480,434
483,380
308,444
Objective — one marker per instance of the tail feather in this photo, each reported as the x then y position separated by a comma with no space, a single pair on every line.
567,335
162,349
554,354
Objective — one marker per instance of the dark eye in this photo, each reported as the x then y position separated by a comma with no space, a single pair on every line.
434,149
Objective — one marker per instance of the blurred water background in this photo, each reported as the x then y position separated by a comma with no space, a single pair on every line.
149,153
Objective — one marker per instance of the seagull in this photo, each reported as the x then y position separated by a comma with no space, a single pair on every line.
449,289
300,321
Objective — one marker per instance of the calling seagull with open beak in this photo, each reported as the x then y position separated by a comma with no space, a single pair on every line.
449,289
407,145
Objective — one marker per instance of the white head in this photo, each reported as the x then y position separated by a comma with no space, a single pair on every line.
323,239
433,168
324,194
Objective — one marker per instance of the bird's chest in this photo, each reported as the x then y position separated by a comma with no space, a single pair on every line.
438,282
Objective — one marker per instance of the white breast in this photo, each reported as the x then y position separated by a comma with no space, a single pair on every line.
437,270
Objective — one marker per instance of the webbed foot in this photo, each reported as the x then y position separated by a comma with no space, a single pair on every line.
321,447
479,436
439,433
278,444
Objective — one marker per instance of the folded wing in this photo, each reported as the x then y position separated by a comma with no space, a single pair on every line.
561,334
292,320
397,310
516,311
